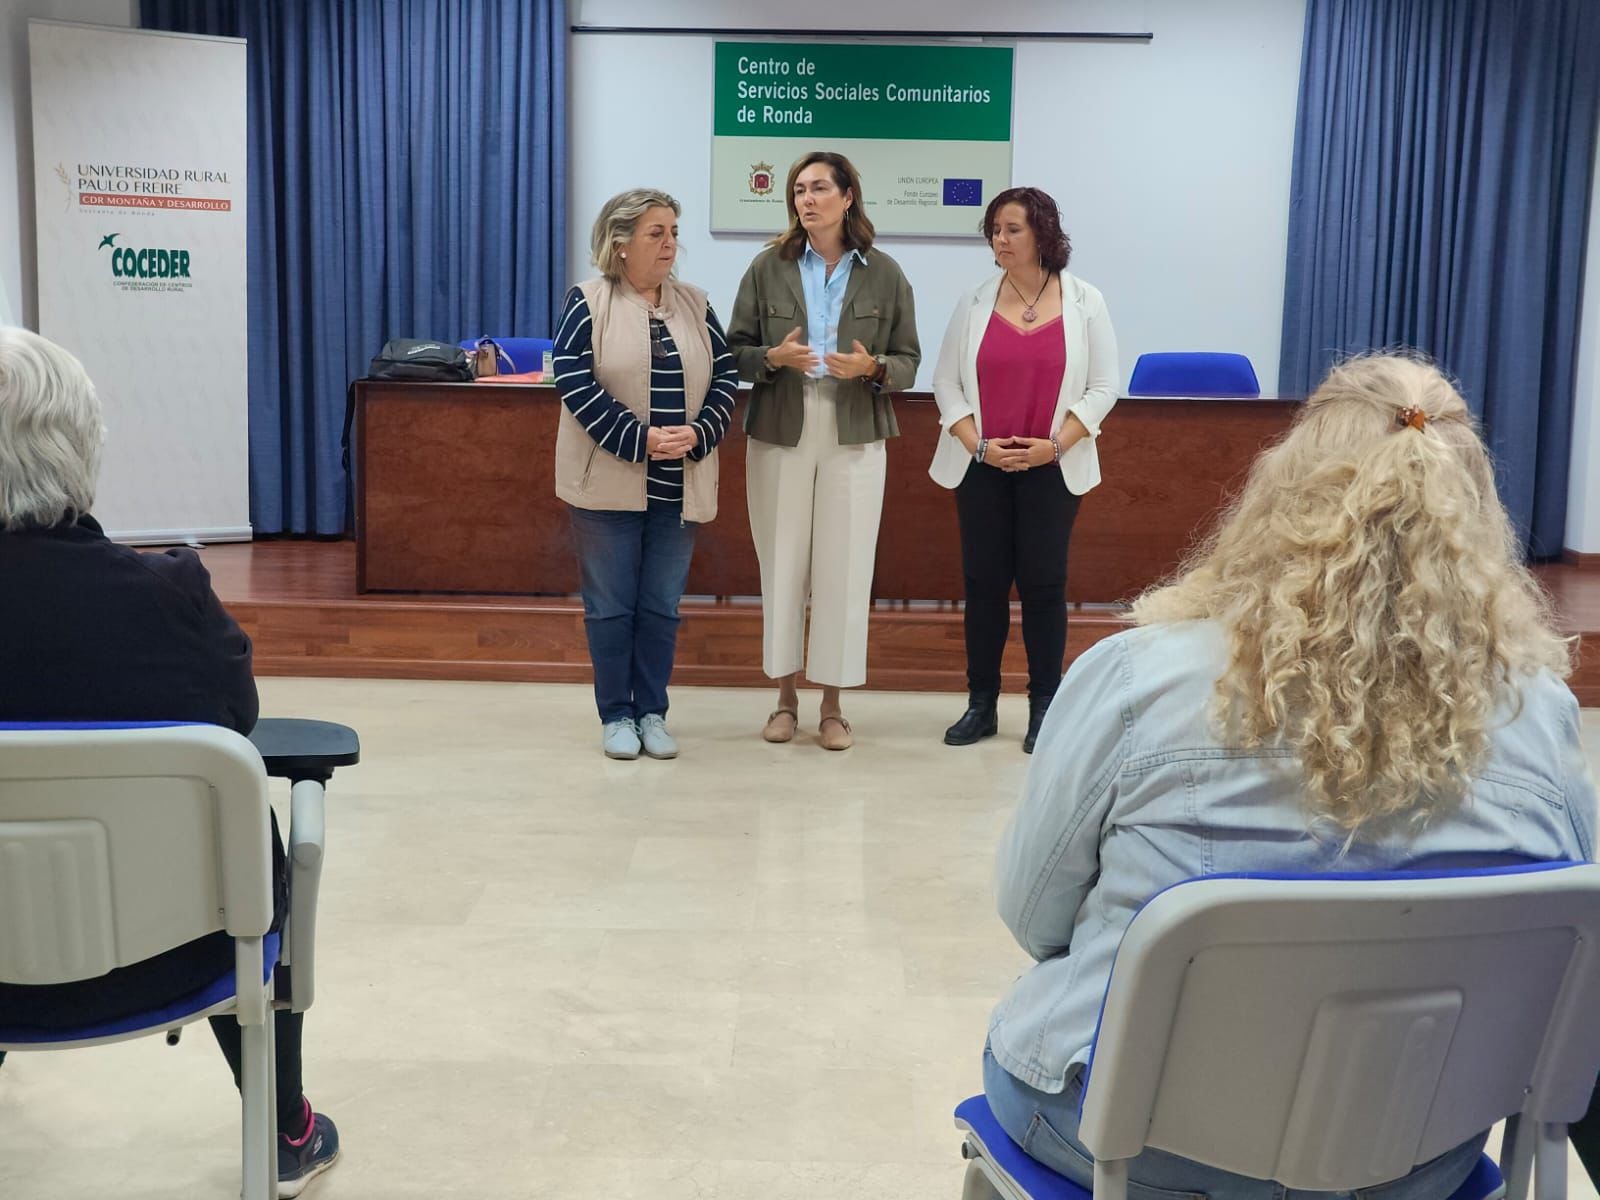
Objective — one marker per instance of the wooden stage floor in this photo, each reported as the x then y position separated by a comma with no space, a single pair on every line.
298,602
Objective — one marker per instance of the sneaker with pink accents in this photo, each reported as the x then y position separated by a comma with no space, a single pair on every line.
302,1159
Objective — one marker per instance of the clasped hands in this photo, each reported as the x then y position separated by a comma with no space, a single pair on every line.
671,441
1019,453
792,352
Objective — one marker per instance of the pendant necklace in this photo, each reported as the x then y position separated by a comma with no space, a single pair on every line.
1030,314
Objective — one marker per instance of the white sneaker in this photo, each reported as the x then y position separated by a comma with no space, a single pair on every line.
656,740
620,739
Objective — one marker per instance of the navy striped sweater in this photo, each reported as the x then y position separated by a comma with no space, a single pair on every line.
610,423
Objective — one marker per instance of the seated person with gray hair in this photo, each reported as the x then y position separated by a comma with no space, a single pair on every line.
99,632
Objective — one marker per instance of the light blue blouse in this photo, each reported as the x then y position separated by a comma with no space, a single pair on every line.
824,302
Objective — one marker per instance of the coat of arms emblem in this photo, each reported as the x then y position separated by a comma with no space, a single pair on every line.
761,179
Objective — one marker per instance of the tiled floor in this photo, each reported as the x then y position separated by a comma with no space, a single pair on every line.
755,972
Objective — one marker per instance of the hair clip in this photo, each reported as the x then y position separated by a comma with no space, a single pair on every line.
1412,416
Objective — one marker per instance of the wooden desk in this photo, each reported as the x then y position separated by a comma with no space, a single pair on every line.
455,493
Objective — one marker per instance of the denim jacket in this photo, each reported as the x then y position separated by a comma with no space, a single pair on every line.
1131,790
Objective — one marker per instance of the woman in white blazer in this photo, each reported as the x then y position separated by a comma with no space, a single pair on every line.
1026,374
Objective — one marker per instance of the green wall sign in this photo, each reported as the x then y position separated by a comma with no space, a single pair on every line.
928,127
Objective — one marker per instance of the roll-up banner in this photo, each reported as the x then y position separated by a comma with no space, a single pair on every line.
928,128
139,176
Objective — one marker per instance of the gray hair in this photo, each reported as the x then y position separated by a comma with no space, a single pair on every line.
619,217
50,433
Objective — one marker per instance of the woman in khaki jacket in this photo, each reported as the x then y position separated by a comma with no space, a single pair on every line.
824,328
647,387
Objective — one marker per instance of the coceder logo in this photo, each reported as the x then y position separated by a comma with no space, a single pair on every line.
146,268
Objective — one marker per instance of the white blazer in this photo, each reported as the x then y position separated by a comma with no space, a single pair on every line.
1088,385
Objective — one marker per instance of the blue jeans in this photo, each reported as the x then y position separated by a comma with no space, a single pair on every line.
1045,1125
634,566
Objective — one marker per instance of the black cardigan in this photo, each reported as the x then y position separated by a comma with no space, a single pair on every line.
94,631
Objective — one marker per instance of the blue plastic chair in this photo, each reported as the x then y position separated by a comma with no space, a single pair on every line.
1331,1033
120,841
1193,374
526,354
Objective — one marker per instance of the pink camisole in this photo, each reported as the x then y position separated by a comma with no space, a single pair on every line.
1019,378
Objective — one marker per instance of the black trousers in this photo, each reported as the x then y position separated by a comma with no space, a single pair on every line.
1585,1137
1015,527
286,1028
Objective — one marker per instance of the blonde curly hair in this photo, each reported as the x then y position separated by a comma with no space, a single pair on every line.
1374,598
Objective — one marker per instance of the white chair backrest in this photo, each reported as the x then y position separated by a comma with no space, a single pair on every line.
1332,1034
118,844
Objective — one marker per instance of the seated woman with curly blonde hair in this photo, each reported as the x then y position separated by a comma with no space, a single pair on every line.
1354,673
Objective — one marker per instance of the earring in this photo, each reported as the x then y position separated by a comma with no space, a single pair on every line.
624,254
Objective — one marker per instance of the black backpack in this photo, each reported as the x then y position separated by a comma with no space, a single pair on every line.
408,359
435,362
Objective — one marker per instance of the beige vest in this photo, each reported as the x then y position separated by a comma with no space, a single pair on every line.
589,477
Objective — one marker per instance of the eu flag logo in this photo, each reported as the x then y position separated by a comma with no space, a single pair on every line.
963,191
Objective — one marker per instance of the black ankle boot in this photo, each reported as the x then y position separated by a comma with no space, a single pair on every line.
979,721
1036,712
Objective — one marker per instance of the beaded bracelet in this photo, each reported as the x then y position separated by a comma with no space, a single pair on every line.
1056,446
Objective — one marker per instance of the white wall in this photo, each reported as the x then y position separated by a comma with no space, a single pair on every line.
1170,159
1583,484
18,296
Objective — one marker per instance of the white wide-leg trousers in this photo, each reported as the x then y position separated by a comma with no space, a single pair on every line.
814,513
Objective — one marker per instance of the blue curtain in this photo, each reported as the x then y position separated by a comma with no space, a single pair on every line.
407,179
1443,157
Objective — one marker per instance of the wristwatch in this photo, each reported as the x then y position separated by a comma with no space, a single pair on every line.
882,371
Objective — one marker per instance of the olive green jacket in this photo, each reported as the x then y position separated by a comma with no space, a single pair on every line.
878,312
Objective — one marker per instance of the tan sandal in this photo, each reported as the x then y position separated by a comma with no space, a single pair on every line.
839,739
781,730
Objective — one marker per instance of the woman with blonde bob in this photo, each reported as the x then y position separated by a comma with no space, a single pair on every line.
647,390
1354,672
